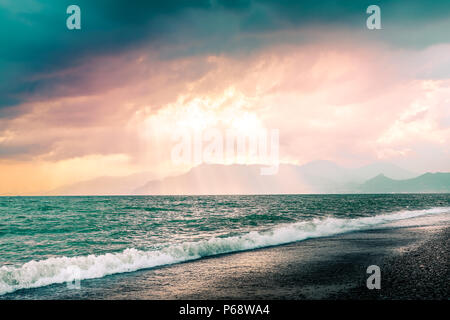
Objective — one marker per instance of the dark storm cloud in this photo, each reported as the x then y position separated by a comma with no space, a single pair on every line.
36,45
37,51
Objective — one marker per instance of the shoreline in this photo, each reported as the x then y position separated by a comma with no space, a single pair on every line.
412,255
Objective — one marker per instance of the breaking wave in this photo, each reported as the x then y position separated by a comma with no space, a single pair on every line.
67,269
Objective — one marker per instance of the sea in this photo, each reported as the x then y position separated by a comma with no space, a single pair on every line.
55,240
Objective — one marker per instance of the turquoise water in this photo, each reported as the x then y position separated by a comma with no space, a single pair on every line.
46,240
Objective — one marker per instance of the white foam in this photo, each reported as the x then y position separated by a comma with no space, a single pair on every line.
64,269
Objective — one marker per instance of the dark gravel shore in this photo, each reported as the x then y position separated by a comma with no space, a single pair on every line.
419,273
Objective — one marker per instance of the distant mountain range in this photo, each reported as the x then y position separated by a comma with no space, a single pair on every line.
313,177
428,182
105,185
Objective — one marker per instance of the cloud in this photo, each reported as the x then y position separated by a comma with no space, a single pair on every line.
326,91
120,87
41,52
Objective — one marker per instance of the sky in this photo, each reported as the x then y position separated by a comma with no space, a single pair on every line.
106,100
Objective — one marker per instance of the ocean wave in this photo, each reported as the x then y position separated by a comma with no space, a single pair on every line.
35,274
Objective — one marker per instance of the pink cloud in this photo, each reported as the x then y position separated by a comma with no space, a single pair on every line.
348,103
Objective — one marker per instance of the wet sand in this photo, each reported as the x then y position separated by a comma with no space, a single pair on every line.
413,257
